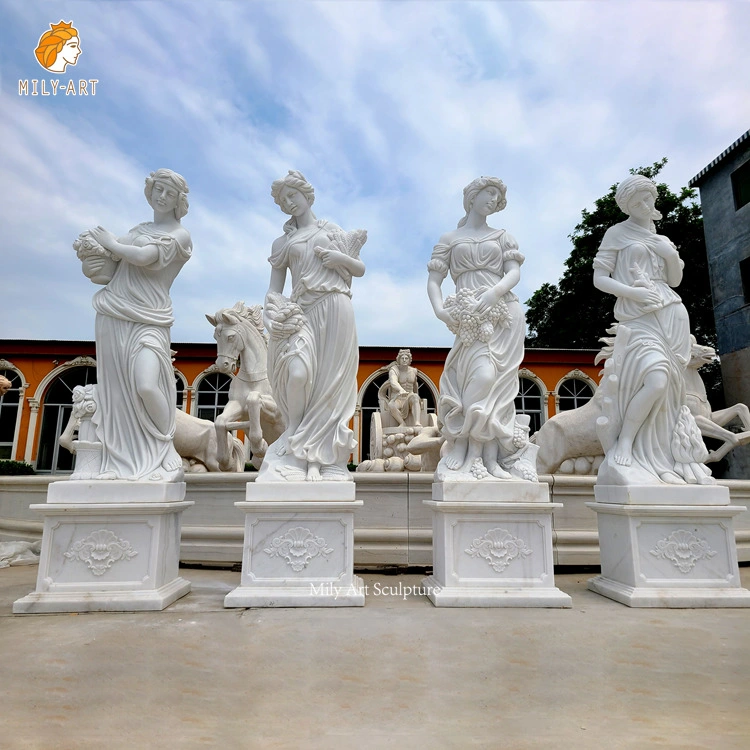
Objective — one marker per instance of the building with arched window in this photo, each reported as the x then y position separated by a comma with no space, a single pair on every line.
574,390
11,404
43,374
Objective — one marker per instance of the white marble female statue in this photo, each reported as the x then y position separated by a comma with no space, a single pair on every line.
135,416
649,434
312,352
480,380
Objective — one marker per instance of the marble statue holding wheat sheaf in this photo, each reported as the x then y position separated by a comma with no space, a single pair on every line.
312,352
241,344
647,430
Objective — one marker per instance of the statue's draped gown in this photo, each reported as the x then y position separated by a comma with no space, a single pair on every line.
478,264
327,345
133,313
659,341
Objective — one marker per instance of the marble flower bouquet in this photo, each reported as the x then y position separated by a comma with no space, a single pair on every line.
98,263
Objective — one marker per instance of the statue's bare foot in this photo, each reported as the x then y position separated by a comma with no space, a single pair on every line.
623,453
171,468
172,461
109,475
497,471
455,458
313,472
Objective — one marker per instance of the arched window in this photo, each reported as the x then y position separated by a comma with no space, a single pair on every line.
10,407
370,406
181,386
58,404
213,394
574,393
529,401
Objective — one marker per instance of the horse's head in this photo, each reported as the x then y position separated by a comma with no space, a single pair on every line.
239,335
700,355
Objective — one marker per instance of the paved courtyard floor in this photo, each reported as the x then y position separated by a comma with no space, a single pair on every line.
398,673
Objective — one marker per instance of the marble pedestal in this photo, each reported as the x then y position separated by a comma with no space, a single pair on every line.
299,546
668,546
492,546
109,546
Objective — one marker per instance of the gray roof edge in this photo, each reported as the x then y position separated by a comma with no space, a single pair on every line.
720,158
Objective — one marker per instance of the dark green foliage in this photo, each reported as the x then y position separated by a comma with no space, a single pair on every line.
15,468
574,315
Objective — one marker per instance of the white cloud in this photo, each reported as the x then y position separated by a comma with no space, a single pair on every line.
388,108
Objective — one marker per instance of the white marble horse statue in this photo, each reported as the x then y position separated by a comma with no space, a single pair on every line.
712,423
241,341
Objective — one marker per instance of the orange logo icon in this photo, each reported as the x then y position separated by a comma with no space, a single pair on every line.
58,47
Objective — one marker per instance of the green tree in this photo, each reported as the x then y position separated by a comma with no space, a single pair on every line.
573,314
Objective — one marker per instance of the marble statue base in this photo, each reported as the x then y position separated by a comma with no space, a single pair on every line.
492,546
109,546
666,546
299,546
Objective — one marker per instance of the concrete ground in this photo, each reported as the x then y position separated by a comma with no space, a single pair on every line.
398,673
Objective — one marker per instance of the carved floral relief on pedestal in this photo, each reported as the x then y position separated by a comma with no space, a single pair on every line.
298,546
100,550
499,548
683,549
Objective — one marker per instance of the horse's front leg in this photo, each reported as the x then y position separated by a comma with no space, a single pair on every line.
725,416
711,429
254,431
232,411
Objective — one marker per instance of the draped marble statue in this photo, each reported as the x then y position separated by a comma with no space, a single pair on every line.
647,431
135,394
312,351
480,381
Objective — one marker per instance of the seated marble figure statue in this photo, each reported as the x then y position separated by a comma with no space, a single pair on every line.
403,402
647,431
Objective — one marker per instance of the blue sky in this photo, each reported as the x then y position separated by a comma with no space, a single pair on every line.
389,109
